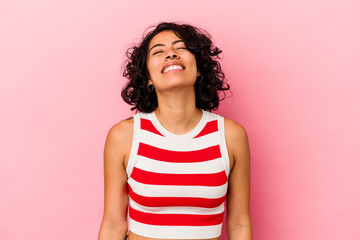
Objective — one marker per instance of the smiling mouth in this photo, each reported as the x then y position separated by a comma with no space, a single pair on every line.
173,68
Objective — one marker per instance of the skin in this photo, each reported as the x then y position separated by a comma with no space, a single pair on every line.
177,112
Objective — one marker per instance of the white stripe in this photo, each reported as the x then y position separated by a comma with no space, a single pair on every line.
158,141
149,190
174,232
212,116
134,145
223,146
177,209
148,164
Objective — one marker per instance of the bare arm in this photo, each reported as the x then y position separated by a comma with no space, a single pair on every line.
238,197
117,147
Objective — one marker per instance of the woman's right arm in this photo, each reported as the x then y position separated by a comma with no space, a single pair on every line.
117,148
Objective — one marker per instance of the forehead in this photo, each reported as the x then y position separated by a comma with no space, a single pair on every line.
166,36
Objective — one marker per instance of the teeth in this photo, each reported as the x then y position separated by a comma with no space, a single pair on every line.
171,67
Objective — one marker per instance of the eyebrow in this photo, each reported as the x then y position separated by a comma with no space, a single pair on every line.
163,45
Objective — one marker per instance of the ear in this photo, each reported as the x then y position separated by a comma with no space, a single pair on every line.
150,82
198,74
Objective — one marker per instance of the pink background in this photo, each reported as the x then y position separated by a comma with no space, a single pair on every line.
294,71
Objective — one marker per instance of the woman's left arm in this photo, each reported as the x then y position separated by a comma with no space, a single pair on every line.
238,197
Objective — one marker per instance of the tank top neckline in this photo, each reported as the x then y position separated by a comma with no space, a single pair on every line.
192,133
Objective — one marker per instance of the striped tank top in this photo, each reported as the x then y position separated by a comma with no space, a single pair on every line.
177,184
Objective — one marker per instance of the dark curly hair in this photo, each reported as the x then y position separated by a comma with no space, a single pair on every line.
198,42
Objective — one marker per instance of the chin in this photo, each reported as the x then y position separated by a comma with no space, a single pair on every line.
178,80
177,87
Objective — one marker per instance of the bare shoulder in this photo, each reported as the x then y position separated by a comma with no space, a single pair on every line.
119,140
234,131
237,141
121,130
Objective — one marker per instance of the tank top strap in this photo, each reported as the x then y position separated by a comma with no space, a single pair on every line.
223,147
134,145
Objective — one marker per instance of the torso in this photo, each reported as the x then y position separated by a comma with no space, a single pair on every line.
130,121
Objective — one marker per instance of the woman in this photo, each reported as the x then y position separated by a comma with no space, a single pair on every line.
170,168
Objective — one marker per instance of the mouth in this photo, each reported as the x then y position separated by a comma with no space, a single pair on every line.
173,68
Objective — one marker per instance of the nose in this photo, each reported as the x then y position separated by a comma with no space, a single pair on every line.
171,54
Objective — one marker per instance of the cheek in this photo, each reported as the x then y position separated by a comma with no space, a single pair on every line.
150,69
153,67
193,64
191,58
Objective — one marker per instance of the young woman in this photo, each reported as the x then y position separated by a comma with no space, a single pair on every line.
171,167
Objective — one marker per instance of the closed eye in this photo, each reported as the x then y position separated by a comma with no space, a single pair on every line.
162,50
157,52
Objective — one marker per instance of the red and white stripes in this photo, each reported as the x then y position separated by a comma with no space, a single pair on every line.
177,184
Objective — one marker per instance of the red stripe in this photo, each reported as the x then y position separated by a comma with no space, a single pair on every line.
205,179
210,127
175,219
175,201
147,125
160,154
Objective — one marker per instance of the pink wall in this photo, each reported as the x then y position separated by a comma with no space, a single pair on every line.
294,71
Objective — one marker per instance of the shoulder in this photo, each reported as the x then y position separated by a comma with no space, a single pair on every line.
120,135
121,129
234,131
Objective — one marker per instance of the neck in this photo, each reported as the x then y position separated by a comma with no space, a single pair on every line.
177,111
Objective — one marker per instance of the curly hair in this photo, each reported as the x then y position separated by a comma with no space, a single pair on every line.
207,88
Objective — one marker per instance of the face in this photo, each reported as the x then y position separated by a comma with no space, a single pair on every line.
169,63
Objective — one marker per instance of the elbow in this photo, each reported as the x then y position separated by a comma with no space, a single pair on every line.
241,231
244,223
236,227
110,230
